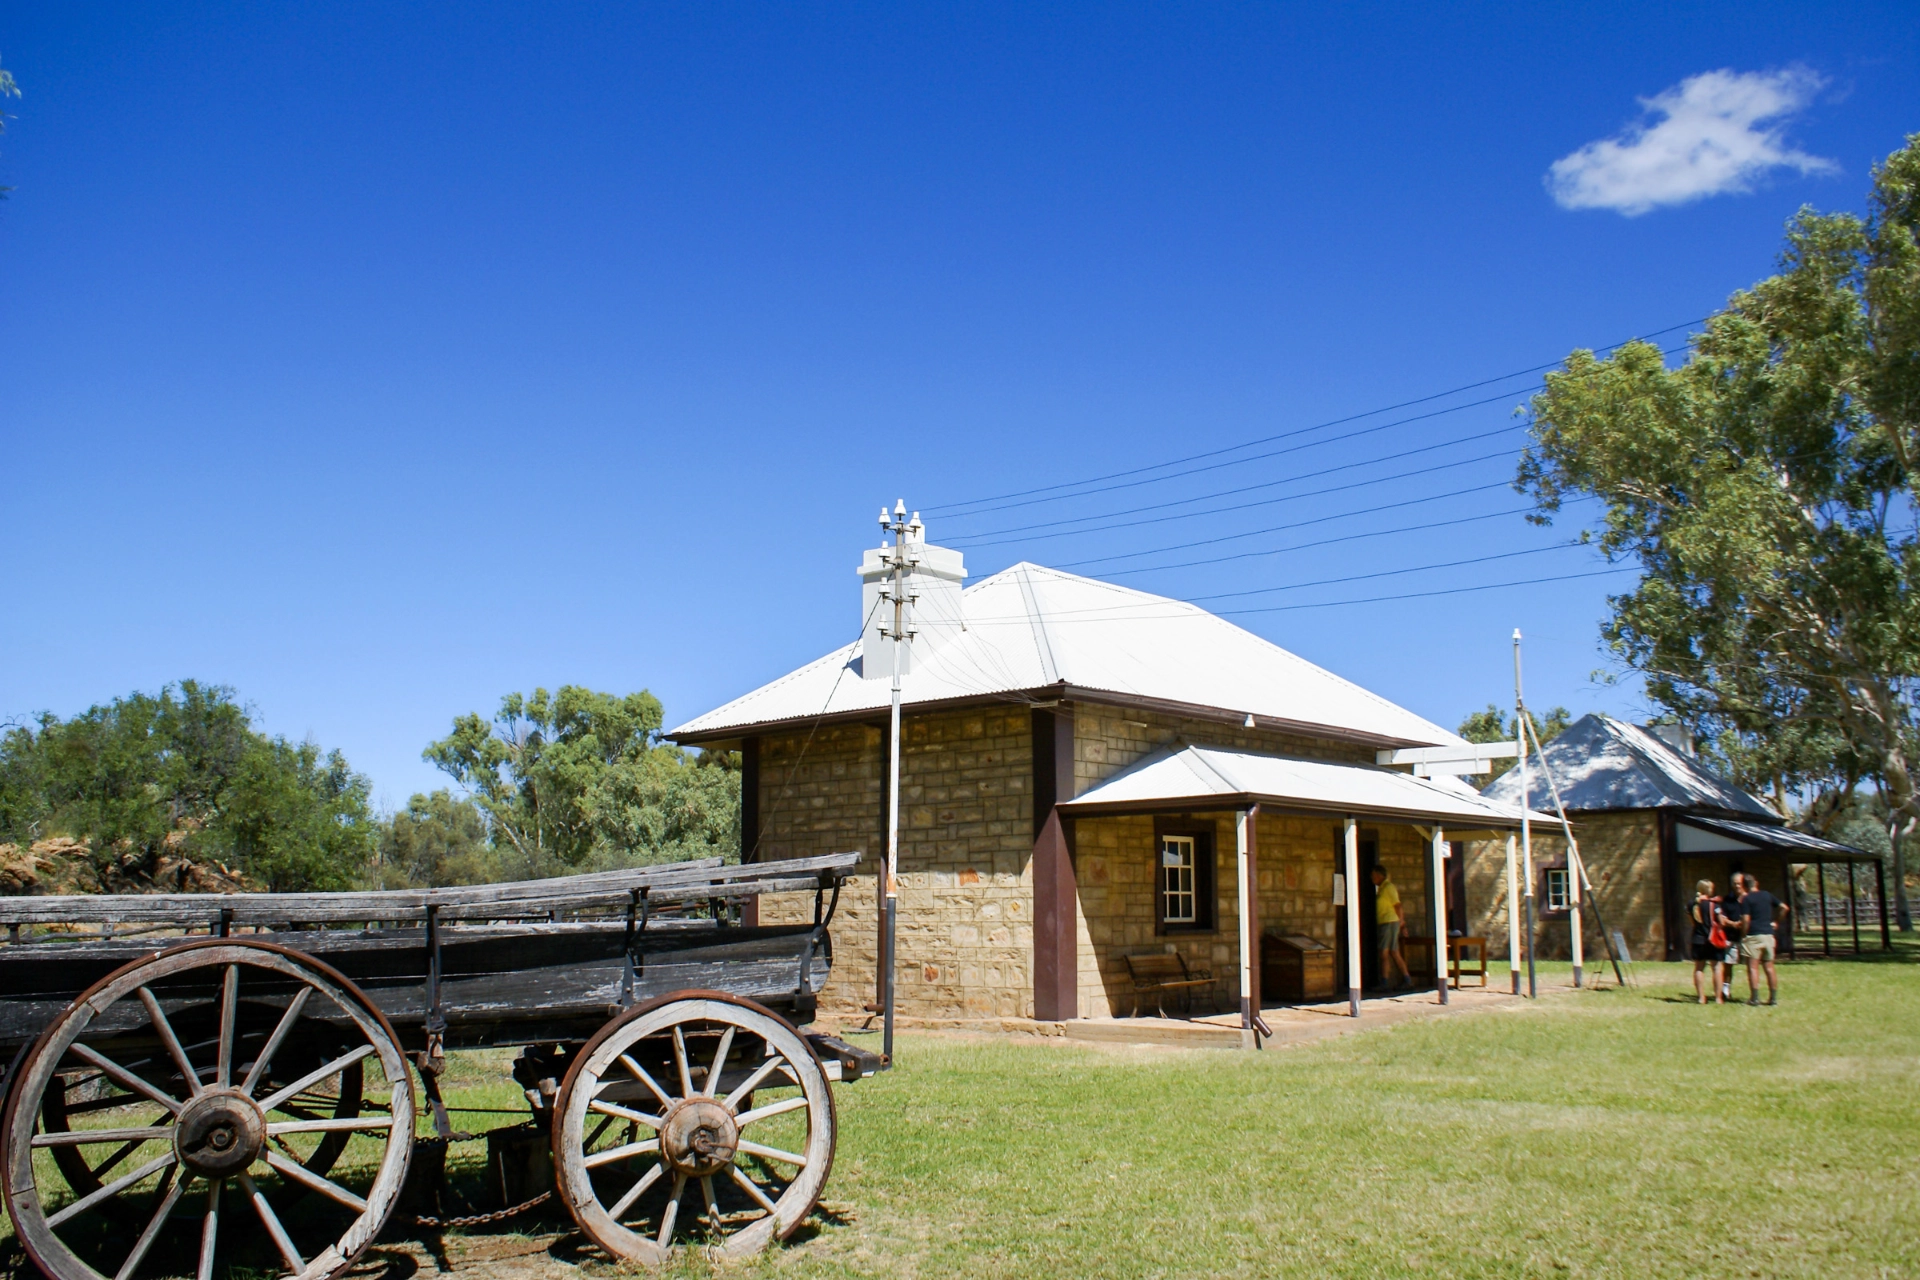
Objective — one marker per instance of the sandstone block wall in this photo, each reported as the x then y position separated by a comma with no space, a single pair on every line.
1117,860
966,846
1622,853
1108,739
965,919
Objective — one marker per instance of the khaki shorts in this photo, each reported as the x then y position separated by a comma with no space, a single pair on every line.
1388,933
1757,946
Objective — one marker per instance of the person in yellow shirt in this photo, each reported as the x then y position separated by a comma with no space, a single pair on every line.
1389,918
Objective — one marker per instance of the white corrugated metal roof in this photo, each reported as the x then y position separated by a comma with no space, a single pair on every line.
1193,776
1030,628
1606,764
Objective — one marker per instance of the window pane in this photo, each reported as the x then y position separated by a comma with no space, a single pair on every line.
1178,901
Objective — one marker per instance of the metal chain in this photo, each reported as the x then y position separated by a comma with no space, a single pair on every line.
472,1219
481,1219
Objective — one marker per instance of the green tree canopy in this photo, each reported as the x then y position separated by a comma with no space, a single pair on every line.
1495,724
183,771
1767,489
438,839
577,778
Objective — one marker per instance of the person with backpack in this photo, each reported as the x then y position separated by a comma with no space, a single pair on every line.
1709,940
1762,914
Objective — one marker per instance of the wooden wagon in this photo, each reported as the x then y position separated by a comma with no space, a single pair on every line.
206,1084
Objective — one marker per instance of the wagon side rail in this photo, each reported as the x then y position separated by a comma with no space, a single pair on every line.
674,884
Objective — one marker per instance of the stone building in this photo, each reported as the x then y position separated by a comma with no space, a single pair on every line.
1055,817
1651,821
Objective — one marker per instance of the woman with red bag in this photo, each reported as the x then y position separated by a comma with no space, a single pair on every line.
1709,941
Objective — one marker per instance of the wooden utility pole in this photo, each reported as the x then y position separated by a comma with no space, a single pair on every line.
1526,807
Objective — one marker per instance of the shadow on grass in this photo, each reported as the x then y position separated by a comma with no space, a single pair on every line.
385,1264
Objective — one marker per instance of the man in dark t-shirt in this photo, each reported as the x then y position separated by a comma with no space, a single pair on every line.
1732,921
1762,914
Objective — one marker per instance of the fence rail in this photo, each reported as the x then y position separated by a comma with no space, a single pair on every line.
1837,906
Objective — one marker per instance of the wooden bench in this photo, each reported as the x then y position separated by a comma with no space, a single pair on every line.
1160,972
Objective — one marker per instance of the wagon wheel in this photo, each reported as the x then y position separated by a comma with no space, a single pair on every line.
162,1079
700,1095
70,1098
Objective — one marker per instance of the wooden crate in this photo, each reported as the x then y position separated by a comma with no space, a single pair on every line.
1295,969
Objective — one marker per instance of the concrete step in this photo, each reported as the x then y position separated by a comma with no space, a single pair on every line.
1159,1031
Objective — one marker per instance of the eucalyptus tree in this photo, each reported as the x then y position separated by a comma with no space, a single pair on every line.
1768,488
576,777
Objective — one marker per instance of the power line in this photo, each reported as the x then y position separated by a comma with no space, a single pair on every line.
951,508
1422,595
1261,457
1149,605
1280,528
1236,462
972,539
1326,542
1387,573
1407,595
1246,506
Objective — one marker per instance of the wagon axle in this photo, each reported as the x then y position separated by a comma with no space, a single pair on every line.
699,1138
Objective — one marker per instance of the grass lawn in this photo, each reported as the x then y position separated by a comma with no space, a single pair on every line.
1603,1133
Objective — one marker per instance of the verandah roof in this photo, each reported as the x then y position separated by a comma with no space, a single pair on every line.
1800,846
1194,777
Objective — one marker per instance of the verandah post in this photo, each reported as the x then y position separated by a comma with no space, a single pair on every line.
1886,934
1440,948
1056,996
1353,915
1853,903
1826,930
1513,911
1247,846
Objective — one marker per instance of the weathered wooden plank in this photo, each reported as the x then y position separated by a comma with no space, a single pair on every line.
683,882
495,978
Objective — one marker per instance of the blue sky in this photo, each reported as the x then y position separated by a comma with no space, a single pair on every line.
377,360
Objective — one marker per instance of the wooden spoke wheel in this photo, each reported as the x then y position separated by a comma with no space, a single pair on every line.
699,1117
166,1120
72,1097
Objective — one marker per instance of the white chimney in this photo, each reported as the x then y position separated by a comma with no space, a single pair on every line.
932,594
1675,736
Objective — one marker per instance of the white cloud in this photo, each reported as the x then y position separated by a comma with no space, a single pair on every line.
1708,135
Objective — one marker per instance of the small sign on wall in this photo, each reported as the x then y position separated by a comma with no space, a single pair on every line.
1339,889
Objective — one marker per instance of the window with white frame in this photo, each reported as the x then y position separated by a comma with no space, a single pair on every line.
1179,895
1559,896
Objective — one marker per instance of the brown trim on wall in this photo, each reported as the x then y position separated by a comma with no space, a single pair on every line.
1250,904
1672,907
1056,993
750,820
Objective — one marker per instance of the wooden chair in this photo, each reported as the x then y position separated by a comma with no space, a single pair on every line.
1160,972
1461,965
